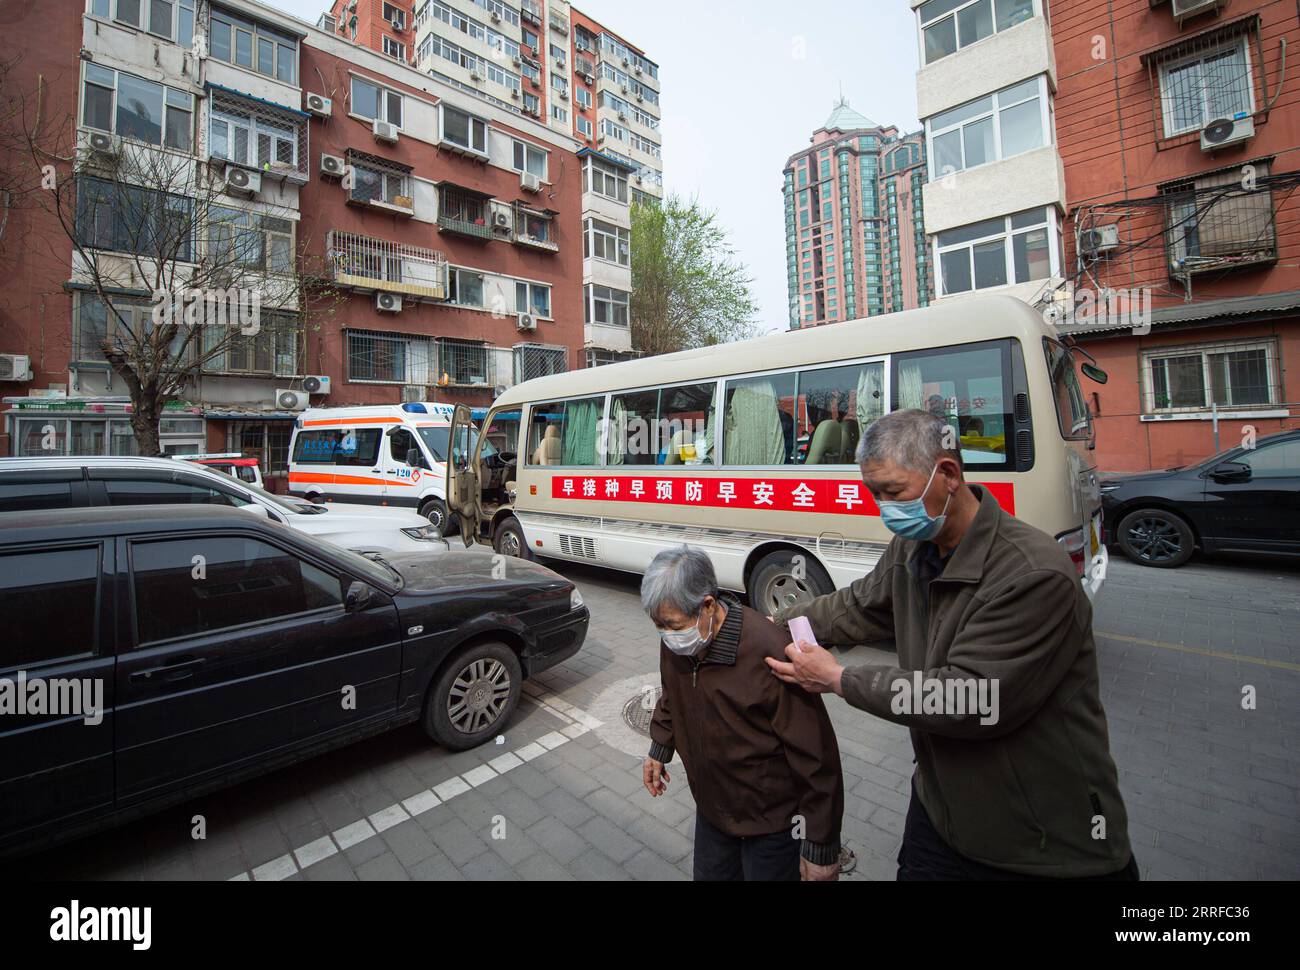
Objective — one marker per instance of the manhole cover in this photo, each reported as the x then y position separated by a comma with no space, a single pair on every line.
640,708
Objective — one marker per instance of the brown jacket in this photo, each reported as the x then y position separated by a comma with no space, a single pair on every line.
757,751
1026,793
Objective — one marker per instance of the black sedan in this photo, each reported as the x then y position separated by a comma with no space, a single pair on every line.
1246,499
152,653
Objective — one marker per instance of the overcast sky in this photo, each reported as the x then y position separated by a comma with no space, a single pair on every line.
744,85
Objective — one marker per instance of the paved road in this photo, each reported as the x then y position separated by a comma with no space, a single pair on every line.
1211,787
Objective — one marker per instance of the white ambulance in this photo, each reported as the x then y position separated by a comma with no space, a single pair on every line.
394,455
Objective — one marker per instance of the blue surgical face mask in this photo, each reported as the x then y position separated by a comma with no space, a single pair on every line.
910,519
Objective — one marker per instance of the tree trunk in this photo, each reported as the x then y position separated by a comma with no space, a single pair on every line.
146,410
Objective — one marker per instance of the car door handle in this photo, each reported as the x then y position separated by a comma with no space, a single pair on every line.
376,471
179,669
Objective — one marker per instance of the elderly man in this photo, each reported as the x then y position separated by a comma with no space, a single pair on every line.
997,674
760,756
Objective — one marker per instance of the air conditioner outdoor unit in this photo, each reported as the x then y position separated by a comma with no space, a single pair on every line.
292,400
388,302
319,105
102,143
526,321
622,116
514,93
640,96
517,60
385,132
638,68
15,367
589,78
1093,242
1226,132
316,385
1186,9
496,17
559,62
564,95
332,166
502,221
241,181
397,26
624,88
626,61
530,182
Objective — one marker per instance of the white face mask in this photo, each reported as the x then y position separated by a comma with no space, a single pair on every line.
688,642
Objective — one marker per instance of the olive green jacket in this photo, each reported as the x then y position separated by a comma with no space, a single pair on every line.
1034,791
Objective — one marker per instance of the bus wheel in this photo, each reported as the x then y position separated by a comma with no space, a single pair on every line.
509,539
1154,537
775,584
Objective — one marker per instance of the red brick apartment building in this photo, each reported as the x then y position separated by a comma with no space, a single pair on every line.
1179,125
446,225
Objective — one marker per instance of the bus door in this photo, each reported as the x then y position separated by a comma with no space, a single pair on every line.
464,488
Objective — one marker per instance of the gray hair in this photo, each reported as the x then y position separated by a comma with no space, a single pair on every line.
680,578
911,439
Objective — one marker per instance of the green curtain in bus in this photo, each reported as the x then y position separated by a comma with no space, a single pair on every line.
581,420
911,388
753,431
616,433
710,428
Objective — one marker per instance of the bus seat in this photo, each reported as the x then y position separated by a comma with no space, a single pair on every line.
551,449
827,442
851,437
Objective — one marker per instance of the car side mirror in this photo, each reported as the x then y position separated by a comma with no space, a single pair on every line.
1231,471
358,598
415,459
261,511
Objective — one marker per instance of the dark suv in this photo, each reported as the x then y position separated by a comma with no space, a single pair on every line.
221,646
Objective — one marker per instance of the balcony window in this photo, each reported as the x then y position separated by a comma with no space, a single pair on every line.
605,241
255,142
994,127
606,305
1206,86
949,25
134,108
534,226
250,240
463,129
253,45
1214,224
131,219
1195,378
373,102
534,298
604,179
465,288
464,212
1014,249
272,351
530,159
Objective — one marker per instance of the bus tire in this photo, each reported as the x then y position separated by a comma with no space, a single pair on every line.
509,540
773,584
1155,537
473,696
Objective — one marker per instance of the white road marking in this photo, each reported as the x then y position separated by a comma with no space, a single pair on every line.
577,723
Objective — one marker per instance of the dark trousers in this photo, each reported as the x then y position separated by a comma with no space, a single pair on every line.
720,857
926,856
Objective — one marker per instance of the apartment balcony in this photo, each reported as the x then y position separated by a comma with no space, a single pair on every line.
534,228
367,265
531,11
559,22
464,213
1214,226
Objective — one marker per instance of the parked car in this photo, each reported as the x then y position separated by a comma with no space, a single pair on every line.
48,483
234,464
1242,500
228,646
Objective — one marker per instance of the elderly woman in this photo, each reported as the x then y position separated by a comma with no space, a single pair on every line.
760,755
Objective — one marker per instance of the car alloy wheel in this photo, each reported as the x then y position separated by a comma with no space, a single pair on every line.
479,695
1155,539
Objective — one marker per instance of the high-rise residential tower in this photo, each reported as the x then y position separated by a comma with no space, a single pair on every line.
854,226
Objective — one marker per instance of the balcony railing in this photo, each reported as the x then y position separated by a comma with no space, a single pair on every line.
531,11
369,264
533,228
464,213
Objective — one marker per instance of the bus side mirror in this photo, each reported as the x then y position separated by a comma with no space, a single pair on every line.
1094,373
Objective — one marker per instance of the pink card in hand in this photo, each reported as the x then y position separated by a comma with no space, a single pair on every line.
801,629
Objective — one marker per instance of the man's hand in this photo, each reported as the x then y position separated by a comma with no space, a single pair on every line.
655,777
811,667
813,873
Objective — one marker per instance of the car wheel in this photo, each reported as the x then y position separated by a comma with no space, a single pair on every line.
1154,537
775,585
435,510
474,696
509,539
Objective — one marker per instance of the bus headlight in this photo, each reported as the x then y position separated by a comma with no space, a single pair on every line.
575,599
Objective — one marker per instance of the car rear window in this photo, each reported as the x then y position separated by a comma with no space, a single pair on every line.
48,599
30,496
